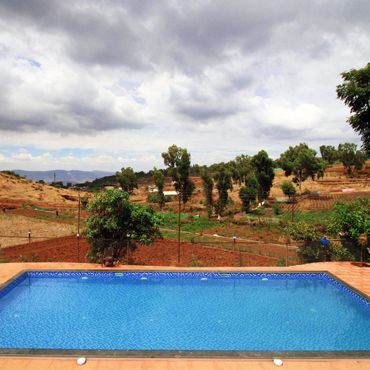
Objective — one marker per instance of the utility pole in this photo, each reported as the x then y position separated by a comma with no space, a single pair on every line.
179,230
78,227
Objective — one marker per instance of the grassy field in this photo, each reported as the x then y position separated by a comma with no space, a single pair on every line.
321,217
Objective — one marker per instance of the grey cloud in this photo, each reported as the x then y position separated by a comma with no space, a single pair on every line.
186,35
175,36
261,130
92,35
201,113
71,117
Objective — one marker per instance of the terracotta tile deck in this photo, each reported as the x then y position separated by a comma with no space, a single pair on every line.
358,277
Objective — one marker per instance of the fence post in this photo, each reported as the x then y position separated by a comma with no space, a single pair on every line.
78,227
78,247
286,256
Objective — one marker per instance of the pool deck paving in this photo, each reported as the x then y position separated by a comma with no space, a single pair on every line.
356,276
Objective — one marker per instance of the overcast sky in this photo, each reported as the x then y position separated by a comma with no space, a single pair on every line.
110,84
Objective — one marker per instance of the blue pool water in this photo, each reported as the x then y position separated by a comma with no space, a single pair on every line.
183,311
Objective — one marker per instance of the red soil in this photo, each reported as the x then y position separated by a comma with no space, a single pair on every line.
160,253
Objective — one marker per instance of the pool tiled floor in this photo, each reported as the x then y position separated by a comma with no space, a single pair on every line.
358,277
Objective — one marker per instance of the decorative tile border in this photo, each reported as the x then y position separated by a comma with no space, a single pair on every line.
136,275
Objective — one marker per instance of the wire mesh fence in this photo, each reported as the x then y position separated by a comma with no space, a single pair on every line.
200,250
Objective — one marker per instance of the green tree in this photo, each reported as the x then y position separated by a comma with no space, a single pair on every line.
288,189
127,179
355,92
178,162
223,185
328,153
159,183
118,223
311,250
351,221
208,190
351,158
241,167
248,193
264,172
84,201
301,161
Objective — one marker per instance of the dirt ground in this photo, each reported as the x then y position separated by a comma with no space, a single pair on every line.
13,226
15,191
160,253
335,185
18,195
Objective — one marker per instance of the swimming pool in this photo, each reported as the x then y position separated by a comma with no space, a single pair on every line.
119,313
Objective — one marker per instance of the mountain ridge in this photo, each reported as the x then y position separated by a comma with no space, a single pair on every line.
65,176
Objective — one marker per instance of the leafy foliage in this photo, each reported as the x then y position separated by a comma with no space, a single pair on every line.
178,162
223,185
276,209
84,201
159,183
328,153
241,167
248,193
127,179
351,158
311,249
355,92
118,223
264,172
208,190
351,219
288,189
301,161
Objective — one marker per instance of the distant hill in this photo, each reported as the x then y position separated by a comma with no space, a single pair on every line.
64,176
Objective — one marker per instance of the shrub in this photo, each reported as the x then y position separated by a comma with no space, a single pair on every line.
118,223
13,174
84,201
340,252
288,189
311,250
276,208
